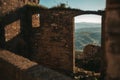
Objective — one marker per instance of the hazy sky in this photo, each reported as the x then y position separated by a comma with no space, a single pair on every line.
88,18
80,4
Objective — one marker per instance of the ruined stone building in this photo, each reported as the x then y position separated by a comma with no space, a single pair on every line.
33,36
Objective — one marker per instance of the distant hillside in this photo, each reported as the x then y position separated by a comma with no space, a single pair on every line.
86,25
87,33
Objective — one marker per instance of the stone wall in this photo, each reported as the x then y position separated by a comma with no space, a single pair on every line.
12,30
10,5
15,28
52,44
9,19
112,35
12,8
14,67
7,6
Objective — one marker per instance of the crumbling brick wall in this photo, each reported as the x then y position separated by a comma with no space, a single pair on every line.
9,5
52,44
15,26
14,67
6,7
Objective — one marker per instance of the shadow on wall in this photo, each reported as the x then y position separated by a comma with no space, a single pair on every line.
20,68
19,43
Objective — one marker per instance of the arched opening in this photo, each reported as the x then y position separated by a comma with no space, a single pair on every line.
87,30
92,37
87,42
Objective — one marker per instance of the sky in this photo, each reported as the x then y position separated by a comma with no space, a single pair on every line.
88,18
80,4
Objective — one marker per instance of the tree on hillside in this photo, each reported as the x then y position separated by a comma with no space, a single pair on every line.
92,54
91,51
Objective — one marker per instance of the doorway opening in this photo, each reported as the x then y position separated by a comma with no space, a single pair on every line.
87,42
87,31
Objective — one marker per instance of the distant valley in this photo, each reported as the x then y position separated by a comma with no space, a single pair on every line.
87,33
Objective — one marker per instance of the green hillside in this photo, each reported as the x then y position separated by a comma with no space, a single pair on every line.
87,33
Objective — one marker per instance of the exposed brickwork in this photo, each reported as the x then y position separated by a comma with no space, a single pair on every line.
17,61
6,8
51,44
14,65
12,30
19,68
8,5
15,27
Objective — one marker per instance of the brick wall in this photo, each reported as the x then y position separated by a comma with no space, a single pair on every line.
8,5
15,26
52,44
14,67
10,10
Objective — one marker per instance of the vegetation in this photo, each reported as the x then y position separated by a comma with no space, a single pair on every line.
87,33
90,62
36,5
61,6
